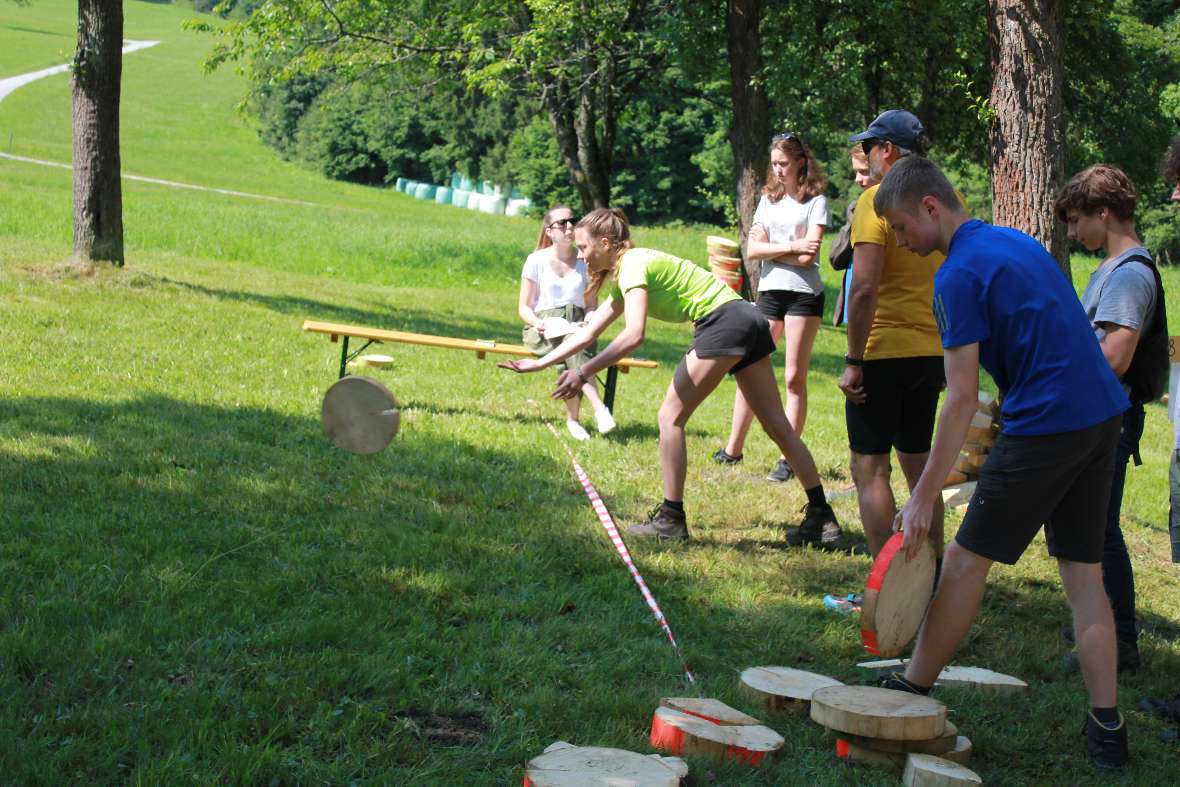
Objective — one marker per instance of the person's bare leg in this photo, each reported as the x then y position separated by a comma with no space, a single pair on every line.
758,385
573,407
912,466
870,473
798,341
1093,626
694,379
590,391
952,612
743,416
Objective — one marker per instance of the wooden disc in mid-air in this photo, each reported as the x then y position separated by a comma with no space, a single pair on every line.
783,688
896,596
924,770
565,765
679,733
873,712
710,710
360,415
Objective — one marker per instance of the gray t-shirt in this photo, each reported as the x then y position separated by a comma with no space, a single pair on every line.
785,221
1124,297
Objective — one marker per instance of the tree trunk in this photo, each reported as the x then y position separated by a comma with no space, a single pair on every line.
97,73
749,133
1028,128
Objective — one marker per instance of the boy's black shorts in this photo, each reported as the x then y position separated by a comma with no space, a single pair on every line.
901,400
734,328
1061,481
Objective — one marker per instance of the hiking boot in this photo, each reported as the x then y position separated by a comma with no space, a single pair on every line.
819,528
662,522
722,458
1107,748
782,472
1128,656
1165,709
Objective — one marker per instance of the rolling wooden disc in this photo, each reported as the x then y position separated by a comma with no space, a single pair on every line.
924,770
564,765
678,733
783,688
982,679
938,746
360,415
872,712
710,710
895,598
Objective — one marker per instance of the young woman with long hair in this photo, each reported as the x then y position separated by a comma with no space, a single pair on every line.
729,337
788,226
553,285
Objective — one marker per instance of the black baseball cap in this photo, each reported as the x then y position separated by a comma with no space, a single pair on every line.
894,125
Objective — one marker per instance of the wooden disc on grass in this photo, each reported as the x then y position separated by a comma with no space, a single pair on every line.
849,750
710,710
360,415
375,360
895,598
873,712
678,733
783,688
981,679
564,765
961,753
938,746
924,770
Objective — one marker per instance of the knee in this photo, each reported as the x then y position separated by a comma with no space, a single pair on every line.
960,563
796,380
866,469
668,419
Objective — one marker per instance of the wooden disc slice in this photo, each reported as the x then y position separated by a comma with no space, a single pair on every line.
360,415
716,244
961,753
849,750
924,770
959,494
678,733
783,688
982,679
375,360
896,596
873,712
938,746
575,766
710,710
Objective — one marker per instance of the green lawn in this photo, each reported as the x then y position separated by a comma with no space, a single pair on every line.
199,589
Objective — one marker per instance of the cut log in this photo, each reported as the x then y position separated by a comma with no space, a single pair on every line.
722,246
783,688
850,751
923,770
955,477
938,746
564,765
678,733
710,710
982,679
896,596
873,712
360,415
958,495
961,753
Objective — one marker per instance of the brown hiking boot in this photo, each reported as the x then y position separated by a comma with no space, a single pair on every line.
662,522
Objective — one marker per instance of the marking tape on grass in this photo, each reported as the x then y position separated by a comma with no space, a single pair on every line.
608,524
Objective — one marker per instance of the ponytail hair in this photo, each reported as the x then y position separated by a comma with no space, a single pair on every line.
812,181
612,224
543,240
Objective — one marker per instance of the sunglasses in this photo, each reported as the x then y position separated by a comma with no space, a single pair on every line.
563,223
868,144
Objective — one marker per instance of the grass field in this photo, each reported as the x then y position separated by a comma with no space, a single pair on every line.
197,588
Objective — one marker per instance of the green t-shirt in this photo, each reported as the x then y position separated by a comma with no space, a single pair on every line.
677,290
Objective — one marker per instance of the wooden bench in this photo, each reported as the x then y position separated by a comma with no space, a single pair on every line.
481,348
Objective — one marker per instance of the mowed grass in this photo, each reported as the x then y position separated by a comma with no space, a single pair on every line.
198,588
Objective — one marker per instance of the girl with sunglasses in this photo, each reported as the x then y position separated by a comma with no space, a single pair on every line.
552,288
788,226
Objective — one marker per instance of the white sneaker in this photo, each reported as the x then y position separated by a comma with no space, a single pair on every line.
605,420
576,430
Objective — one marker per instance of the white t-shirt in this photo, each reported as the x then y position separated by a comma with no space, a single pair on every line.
785,221
555,291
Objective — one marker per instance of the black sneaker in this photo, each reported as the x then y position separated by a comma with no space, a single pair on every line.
662,522
819,527
1128,656
1107,748
722,458
1165,709
897,682
781,473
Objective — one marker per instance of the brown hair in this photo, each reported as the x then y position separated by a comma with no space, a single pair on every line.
612,224
1170,167
812,181
1097,187
543,240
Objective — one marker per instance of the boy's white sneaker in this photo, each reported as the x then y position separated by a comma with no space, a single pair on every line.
605,420
576,430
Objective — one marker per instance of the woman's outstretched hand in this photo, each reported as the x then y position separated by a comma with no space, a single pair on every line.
522,365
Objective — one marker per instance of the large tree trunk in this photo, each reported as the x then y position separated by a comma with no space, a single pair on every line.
576,130
1028,129
97,73
749,134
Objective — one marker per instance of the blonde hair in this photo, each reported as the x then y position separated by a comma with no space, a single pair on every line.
812,181
612,224
543,240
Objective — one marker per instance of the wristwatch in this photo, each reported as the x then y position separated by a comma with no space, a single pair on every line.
850,361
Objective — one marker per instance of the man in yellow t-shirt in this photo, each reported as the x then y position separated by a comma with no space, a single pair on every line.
893,371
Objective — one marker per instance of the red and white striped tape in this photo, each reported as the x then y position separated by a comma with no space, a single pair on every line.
612,532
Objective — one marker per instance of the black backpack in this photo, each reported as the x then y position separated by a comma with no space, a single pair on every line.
1147,376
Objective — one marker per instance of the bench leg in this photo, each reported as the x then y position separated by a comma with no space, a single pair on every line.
344,357
608,393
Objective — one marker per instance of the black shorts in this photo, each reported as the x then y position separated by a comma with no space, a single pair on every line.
1061,481
734,328
901,400
776,304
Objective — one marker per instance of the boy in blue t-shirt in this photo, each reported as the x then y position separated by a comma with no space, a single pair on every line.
1001,302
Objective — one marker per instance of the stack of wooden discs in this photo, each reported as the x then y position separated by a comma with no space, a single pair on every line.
981,435
711,728
725,260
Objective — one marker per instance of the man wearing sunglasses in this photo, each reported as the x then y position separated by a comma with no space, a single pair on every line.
893,371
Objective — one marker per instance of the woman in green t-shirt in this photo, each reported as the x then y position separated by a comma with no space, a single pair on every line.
729,337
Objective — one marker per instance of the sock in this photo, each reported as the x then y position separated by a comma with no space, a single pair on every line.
1107,717
815,496
937,571
675,505
914,687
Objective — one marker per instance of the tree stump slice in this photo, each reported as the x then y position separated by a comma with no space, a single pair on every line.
896,596
564,765
679,734
961,753
924,770
872,712
937,746
360,415
850,751
783,688
982,679
710,710
722,247
958,494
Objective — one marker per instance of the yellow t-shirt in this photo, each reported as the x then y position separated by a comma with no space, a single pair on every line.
903,326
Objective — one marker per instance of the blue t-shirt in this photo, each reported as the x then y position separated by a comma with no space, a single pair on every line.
1000,288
